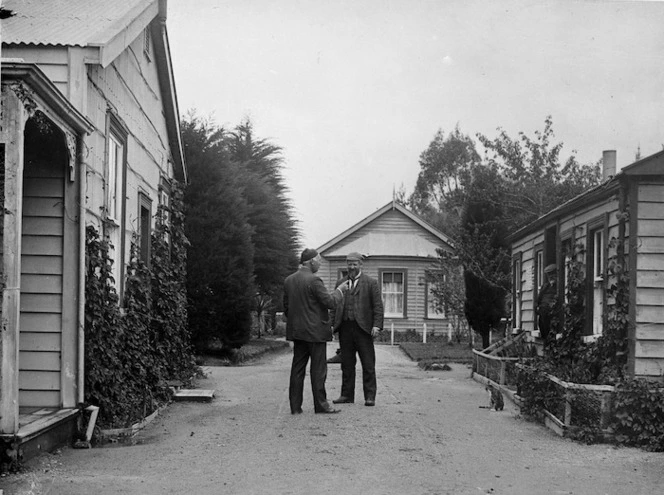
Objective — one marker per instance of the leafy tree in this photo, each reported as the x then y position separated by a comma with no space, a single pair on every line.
537,181
274,232
445,171
449,291
220,268
479,202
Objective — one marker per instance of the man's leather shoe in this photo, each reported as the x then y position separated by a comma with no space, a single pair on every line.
335,359
343,400
328,411
297,411
370,402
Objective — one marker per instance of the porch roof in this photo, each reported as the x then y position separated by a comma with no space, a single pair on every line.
44,88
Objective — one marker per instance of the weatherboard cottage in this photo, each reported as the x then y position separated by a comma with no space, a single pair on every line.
89,136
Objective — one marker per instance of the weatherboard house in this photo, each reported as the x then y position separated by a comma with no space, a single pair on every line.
399,249
90,136
620,221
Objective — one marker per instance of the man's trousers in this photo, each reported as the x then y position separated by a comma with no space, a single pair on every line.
302,351
353,340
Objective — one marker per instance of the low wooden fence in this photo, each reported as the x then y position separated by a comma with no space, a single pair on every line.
567,406
571,405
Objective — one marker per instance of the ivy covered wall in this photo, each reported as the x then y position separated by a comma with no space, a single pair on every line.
133,347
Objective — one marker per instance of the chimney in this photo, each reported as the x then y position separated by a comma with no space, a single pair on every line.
608,164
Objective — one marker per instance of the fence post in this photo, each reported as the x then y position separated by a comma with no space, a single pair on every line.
605,409
502,373
424,333
568,408
392,333
449,332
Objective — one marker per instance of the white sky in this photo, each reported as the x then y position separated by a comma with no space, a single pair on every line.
354,90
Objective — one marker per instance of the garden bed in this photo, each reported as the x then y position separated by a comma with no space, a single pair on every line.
216,356
438,352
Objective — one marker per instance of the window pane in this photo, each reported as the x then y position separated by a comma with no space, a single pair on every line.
393,293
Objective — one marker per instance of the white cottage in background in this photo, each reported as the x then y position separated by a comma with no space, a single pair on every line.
400,247
89,136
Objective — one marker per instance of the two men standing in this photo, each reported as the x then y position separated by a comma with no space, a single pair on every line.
358,320
357,314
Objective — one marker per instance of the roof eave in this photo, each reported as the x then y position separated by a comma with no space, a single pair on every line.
114,40
605,190
169,96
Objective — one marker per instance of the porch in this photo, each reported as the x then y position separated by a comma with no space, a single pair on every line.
41,429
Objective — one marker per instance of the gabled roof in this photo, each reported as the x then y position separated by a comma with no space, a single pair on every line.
387,244
650,165
104,28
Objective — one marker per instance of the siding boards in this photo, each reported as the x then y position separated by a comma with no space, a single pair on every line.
650,331
44,207
650,245
41,303
39,380
651,211
42,398
39,361
41,264
649,367
41,284
651,228
39,322
41,245
648,314
652,279
43,187
40,340
650,296
42,226
650,261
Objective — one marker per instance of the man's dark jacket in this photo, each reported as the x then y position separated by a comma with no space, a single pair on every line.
306,304
368,304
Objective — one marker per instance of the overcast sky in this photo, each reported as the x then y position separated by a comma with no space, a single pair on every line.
354,90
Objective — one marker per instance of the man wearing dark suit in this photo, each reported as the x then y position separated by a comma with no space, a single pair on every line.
306,304
358,321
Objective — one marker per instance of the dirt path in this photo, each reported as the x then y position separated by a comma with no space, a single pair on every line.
426,435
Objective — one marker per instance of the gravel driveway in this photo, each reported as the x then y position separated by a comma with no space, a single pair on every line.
426,435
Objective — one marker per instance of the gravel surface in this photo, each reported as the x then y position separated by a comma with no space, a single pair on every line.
426,435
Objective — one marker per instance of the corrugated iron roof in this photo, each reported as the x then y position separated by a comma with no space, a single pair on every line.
67,22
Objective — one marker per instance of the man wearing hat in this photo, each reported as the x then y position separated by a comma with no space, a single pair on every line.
546,300
358,321
306,304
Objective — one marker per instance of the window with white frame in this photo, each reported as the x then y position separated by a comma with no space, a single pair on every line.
393,285
114,179
598,255
116,159
144,227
